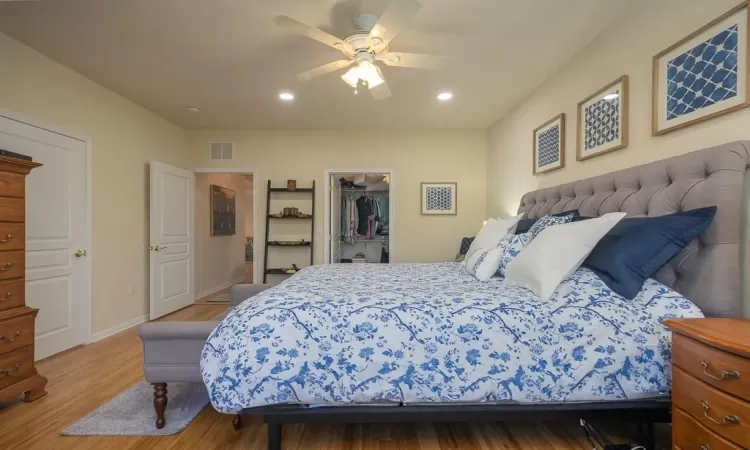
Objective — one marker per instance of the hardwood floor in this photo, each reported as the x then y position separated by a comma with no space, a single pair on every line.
85,378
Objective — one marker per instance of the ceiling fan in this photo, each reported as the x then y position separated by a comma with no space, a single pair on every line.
365,47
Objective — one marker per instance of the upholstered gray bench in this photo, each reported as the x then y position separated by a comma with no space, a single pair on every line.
172,350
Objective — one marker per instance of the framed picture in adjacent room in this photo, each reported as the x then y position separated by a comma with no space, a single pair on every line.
702,76
222,211
439,198
603,120
549,145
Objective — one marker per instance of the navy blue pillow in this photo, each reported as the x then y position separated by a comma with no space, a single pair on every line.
637,248
525,225
465,244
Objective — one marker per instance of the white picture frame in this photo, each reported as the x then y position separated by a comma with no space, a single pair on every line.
439,198
691,82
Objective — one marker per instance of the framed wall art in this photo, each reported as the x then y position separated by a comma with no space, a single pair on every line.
704,75
603,120
439,198
223,218
549,145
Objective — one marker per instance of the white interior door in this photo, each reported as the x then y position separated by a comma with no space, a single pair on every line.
335,221
172,193
57,227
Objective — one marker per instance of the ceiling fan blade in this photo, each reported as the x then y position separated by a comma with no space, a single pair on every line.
324,69
381,91
395,18
415,60
313,33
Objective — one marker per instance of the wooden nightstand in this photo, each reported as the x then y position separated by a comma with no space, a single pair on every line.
710,384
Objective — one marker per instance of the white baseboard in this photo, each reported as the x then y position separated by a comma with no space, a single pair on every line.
216,289
99,335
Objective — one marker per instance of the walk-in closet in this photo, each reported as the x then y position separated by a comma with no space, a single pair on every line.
360,218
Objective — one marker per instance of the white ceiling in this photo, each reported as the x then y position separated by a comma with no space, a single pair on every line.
228,58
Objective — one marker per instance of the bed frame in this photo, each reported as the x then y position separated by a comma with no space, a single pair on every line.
707,272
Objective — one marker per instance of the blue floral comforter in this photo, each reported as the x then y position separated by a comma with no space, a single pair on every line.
416,333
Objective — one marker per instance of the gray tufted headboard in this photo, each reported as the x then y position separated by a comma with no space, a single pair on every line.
708,270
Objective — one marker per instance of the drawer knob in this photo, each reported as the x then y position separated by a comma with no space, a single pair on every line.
7,267
705,447
8,238
725,375
726,420
7,338
7,296
5,372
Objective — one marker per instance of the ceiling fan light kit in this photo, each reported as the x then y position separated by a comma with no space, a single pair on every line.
364,48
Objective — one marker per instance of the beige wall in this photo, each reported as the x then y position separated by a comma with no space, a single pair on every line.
219,260
249,209
413,156
626,48
124,137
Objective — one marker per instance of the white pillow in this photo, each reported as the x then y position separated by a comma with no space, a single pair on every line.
491,234
556,253
484,262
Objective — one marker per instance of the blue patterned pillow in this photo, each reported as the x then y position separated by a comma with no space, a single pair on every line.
548,221
512,244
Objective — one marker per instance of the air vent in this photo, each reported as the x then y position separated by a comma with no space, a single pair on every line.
222,150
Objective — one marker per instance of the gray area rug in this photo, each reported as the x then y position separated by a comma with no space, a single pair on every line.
132,412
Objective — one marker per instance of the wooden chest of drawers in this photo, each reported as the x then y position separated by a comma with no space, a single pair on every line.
17,372
710,384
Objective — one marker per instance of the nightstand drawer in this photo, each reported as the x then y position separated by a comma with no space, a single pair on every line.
720,369
688,434
721,413
16,366
16,333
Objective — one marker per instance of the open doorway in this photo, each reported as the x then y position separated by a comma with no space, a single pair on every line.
224,233
359,217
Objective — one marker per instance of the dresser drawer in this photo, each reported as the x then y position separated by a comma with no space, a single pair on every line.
12,209
12,265
16,333
688,434
12,236
12,185
12,294
721,413
720,369
16,366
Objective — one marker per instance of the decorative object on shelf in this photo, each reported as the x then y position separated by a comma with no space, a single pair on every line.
549,145
290,212
439,198
10,154
603,120
299,243
222,211
291,185
704,75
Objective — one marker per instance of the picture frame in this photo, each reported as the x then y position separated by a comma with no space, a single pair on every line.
223,220
603,120
549,146
704,75
439,198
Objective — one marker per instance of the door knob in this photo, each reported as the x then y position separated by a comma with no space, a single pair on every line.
78,253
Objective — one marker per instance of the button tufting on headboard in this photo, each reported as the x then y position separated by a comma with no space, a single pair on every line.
707,271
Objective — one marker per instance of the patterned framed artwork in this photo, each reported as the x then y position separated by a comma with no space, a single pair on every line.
603,120
704,75
438,198
549,145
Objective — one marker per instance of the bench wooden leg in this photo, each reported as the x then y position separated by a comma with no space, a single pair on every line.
160,403
237,421
274,436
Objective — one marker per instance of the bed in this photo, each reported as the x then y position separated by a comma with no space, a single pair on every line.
429,342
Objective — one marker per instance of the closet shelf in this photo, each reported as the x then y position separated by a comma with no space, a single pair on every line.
287,190
277,244
288,217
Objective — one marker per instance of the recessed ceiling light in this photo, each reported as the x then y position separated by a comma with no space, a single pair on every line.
444,96
286,96
611,96
193,109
